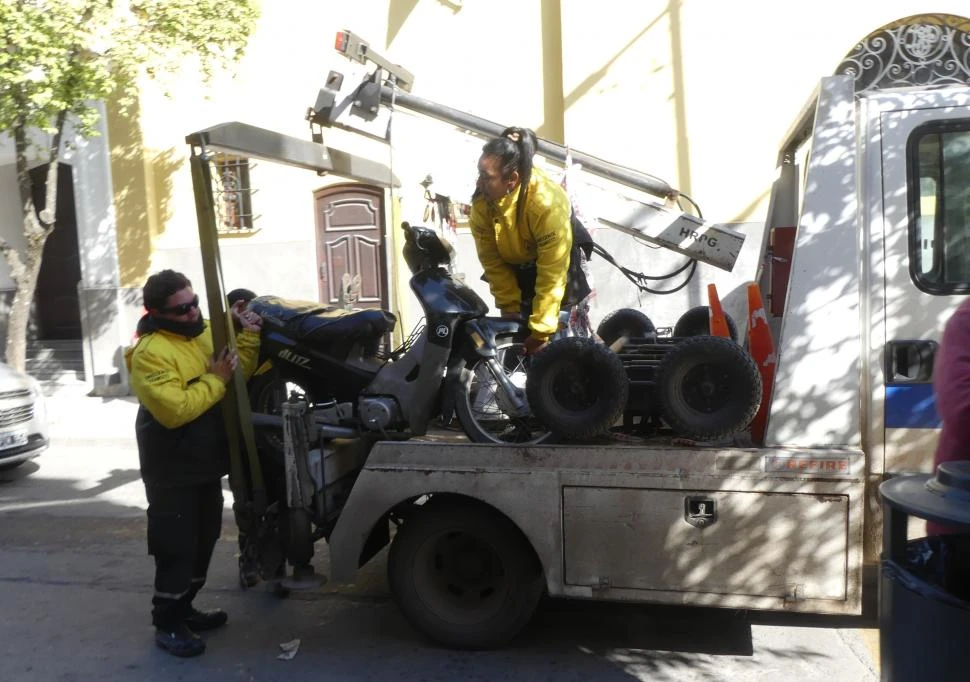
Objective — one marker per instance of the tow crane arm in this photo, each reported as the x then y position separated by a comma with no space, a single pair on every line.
362,101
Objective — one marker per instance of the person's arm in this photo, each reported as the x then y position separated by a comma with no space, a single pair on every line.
951,375
160,389
247,345
499,275
552,232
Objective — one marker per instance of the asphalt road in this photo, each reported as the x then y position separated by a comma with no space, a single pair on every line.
75,584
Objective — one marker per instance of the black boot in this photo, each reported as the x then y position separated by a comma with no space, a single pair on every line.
179,641
198,621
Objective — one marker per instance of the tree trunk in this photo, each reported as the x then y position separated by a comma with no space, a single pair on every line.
25,267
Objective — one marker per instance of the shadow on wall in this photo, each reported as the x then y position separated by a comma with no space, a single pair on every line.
142,180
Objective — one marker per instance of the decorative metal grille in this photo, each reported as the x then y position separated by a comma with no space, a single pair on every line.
929,49
233,192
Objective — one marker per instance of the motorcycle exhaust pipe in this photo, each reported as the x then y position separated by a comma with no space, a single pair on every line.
326,430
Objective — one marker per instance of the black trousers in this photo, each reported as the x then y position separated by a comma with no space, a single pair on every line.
184,523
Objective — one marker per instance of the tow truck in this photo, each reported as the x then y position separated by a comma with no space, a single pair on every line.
867,200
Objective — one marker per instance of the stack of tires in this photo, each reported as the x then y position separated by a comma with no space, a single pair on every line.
703,387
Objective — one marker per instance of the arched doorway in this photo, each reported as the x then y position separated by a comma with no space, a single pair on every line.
350,240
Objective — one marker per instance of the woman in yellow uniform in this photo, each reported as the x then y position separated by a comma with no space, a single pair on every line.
520,220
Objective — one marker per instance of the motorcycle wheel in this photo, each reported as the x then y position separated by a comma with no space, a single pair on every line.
578,387
267,393
478,407
709,388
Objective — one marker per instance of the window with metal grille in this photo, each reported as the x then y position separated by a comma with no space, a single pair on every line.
233,193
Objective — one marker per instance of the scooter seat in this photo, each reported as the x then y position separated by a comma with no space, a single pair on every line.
316,323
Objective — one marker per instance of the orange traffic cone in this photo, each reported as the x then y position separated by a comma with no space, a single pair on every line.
762,349
719,325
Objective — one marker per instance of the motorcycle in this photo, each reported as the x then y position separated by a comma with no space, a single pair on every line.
459,361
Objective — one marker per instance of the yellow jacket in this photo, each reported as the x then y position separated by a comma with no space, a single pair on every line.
170,377
545,237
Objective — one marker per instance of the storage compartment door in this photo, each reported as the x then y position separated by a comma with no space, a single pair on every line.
743,543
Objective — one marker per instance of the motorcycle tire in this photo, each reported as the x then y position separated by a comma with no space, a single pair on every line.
577,387
628,322
267,393
697,322
476,402
709,388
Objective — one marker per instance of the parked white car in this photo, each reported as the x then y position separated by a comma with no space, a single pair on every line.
23,418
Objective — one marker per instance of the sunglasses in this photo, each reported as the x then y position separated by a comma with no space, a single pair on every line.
182,308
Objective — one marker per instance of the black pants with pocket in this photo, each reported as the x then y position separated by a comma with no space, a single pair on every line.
184,523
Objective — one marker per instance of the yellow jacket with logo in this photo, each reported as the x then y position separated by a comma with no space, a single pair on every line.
179,428
543,237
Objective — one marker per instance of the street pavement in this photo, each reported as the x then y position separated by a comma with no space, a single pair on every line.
75,584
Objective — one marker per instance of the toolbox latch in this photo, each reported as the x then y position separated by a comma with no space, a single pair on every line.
700,512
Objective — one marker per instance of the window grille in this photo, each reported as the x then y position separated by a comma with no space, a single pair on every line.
233,193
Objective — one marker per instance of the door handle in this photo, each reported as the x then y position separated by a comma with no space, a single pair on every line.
910,361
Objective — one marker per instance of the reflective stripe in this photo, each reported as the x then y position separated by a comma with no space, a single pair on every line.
911,406
170,595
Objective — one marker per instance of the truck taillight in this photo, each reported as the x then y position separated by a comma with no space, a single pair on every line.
341,41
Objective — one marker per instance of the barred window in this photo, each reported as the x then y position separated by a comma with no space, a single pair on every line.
234,193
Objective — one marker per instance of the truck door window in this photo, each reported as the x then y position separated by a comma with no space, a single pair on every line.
939,217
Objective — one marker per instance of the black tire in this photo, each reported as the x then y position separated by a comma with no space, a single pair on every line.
464,575
476,401
267,393
628,322
10,466
697,322
577,387
709,388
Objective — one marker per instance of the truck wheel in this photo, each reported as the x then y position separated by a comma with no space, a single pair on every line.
267,393
624,322
478,404
709,388
464,575
577,387
697,322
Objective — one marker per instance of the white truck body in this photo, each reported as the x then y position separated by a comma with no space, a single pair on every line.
876,270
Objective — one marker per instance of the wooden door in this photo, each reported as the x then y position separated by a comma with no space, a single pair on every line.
350,239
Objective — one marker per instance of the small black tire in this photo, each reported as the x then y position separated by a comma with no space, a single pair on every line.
697,322
577,387
709,388
267,393
628,322
464,575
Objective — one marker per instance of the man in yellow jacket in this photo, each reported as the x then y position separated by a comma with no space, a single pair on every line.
520,220
182,447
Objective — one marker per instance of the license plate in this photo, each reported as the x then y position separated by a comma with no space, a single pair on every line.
12,439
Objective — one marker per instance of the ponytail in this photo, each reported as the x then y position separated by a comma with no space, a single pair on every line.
515,148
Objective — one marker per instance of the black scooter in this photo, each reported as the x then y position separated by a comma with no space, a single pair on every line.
459,362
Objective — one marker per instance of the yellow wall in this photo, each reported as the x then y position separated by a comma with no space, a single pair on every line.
697,92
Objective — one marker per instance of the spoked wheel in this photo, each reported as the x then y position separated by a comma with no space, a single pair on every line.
481,407
464,575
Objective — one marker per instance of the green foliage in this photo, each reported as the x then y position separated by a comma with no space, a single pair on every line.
58,55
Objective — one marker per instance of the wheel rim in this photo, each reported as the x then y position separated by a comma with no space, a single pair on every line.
460,577
485,407
573,388
706,388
